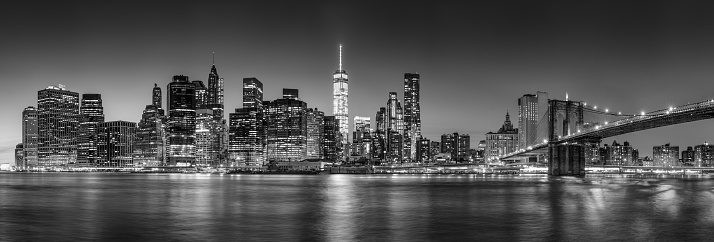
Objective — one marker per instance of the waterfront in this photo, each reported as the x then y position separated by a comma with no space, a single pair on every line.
190,207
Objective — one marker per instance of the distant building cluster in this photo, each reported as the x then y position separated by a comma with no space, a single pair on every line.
67,129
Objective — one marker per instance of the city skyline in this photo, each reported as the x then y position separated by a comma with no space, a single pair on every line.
636,71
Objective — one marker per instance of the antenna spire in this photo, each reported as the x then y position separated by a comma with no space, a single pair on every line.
340,57
214,57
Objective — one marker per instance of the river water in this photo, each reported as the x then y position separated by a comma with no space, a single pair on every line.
203,207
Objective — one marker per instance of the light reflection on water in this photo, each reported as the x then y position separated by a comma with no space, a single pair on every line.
189,207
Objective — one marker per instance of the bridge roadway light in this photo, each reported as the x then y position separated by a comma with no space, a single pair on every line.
619,113
642,113
606,110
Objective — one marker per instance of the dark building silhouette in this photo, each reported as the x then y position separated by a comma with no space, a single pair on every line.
315,123
29,138
92,114
286,128
181,123
116,144
156,98
201,93
58,126
216,94
331,139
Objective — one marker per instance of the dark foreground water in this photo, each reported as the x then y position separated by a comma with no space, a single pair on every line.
200,207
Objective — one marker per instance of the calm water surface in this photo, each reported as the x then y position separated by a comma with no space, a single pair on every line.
193,207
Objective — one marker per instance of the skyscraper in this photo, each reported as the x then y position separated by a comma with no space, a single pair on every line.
201,95
149,145
252,93
362,136
395,129
412,114
340,100
331,146
92,113
58,126
246,133
207,138
215,99
315,123
181,123
29,137
156,98
116,144
531,110
286,126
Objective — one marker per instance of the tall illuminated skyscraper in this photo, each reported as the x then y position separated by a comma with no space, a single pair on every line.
92,115
181,123
412,115
149,144
215,92
340,100
58,126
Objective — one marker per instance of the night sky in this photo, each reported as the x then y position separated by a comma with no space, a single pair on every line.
475,60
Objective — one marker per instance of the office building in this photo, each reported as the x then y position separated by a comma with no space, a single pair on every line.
423,149
362,137
394,120
58,120
29,138
92,114
208,138
181,122
286,127
200,94
252,93
149,146
115,145
502,142
315,134
688,156
331,146
619,154
216,93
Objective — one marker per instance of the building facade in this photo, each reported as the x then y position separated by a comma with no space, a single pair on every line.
208,138
58,120
149,144
181,122
29,138
502,142
619,155
286,127
116,144
704,155
331,146
412,115
315,123
92,114
665,155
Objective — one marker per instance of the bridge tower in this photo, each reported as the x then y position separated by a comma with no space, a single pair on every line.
565,118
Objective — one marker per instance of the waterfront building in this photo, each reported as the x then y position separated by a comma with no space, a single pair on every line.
665,155
115,144
92,114
480,150
688,156
450,144
29,138
315,124
379,141
19,156
331,146
704,155
412,115
340,98
58,126
592,154
502,142
619,155
149,144
246,134
394,130
181,122
286,127
423,148
362,137
464,147
208,138
635,161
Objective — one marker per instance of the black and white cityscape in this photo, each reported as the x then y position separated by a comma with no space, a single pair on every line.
352,121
